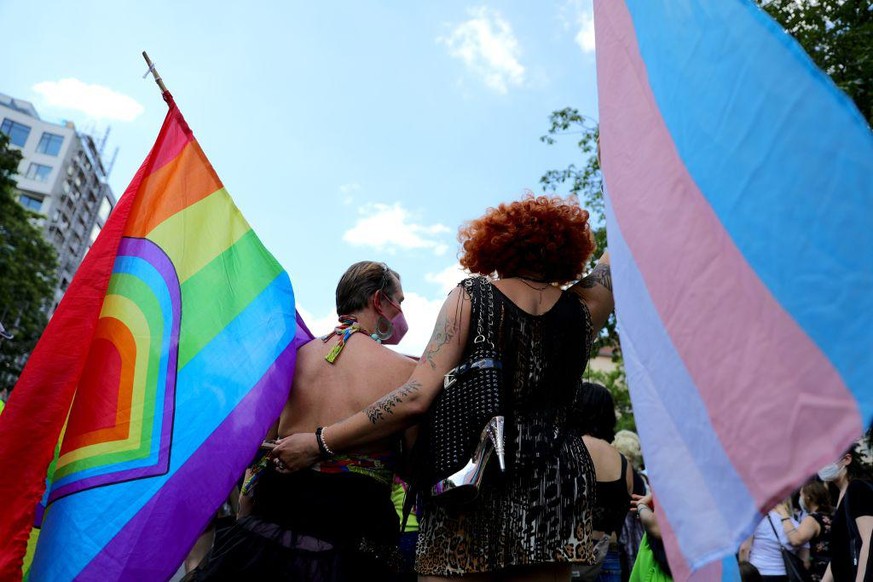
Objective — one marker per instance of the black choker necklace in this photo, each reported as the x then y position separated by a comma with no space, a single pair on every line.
534,287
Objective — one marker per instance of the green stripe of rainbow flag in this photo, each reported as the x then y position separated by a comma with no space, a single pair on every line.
190,359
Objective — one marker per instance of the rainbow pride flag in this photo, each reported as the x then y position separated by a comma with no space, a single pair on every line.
168,359
740,221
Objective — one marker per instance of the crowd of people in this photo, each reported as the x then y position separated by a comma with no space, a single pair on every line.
550,492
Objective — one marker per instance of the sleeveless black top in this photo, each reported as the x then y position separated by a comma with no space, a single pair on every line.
613,502
544,357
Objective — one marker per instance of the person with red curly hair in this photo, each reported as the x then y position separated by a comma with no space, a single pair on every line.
534,521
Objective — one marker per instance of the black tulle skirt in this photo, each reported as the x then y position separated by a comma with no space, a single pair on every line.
312,527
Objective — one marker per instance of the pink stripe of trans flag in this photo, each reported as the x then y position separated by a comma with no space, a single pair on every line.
770,392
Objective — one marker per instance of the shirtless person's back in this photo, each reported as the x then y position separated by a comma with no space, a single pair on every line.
325,393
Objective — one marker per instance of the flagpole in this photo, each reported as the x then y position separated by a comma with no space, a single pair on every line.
154,73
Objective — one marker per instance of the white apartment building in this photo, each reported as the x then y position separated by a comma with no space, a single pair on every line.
62,177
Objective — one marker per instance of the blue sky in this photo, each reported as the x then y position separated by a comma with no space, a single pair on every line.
344,131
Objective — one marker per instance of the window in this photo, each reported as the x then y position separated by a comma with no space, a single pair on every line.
95,231
105,208
17,132
38,172
50,144
30,202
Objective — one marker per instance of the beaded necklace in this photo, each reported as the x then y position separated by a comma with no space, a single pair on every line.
348,326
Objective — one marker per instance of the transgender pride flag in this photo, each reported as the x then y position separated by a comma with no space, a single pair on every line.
740,186
169,357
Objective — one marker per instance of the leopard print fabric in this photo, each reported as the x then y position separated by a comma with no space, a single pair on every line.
539,517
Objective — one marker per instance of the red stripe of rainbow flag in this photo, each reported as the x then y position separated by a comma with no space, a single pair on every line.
160,372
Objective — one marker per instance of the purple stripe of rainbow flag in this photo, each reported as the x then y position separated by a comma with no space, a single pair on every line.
196,338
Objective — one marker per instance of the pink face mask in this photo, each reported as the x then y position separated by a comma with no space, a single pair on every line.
399,325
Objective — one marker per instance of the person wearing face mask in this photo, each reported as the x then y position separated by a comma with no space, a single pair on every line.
852,525
814,529
335,520
533,519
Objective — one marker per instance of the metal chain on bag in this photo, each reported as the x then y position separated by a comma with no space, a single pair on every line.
489,302
472,392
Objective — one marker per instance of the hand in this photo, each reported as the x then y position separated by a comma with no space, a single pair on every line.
295,452
646,500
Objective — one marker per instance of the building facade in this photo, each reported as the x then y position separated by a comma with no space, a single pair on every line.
61,176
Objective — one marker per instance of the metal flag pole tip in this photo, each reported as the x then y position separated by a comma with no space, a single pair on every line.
154,72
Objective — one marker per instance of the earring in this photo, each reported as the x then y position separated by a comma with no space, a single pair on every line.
381,335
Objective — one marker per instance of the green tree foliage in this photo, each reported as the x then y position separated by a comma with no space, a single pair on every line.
838,36
27,272
586,182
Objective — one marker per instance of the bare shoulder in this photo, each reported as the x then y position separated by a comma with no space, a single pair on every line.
606,458
309,354
598,447
397,360
595,291
378,360
449,332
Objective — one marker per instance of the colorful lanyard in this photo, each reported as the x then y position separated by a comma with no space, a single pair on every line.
348,326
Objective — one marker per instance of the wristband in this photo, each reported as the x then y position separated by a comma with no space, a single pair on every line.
785,518
643,506
326,453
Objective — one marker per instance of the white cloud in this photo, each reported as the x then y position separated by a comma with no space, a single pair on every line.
95,101
578,15
421,314
318,325
448,278
388,228
488,47
585,35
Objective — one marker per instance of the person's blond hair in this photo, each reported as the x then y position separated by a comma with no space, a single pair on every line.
628,444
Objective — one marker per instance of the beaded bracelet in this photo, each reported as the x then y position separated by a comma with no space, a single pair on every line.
322,446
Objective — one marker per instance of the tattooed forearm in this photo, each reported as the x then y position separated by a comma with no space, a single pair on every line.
443,332
377,411
600,275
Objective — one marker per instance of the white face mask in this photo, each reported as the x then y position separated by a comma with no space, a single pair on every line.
803,505
831,472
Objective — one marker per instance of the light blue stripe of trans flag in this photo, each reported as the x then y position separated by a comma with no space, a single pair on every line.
730,570
782,156
208,388
695,482
144,271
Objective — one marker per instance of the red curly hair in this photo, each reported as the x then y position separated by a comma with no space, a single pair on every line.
543,237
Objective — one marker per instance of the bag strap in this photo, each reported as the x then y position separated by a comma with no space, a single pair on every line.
778,539
482,305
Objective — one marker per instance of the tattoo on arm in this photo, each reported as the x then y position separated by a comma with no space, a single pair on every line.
384,406
443,332
600,275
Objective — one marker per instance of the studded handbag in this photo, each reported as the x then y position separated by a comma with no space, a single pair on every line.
465,422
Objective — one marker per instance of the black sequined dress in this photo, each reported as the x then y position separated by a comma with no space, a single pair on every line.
540,511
